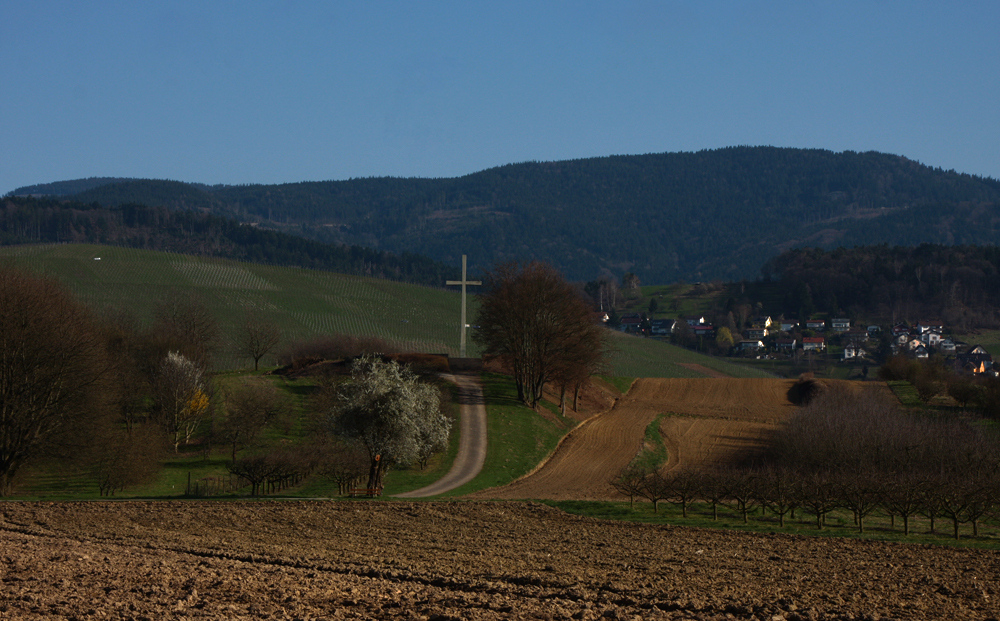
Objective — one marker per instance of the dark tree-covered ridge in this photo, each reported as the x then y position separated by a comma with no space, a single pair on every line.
31,220
959,285
665,217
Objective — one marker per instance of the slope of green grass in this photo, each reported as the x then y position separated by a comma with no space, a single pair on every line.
518,438
304,303
636,356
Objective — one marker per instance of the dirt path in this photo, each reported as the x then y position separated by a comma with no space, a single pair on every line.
471,440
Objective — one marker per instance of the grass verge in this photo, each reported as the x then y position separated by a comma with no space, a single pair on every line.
518,438
654,451
839,523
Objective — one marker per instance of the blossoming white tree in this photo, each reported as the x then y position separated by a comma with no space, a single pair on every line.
181,397
395,416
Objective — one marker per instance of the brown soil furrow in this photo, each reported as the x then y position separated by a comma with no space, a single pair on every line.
457,560
584,463
709,420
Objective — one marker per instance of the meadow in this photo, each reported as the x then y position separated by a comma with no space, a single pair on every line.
307,303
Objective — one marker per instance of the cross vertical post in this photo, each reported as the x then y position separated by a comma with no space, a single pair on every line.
465,281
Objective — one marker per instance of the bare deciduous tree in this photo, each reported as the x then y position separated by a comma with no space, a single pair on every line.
126,457
537,324
257,337
250,407
183,323
346,463
52,366
629,482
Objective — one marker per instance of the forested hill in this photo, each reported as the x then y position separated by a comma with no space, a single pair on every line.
717,214
953,284
37,220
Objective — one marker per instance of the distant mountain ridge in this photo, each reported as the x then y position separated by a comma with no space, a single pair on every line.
718,214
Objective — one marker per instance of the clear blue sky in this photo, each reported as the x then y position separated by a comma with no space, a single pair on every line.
270,92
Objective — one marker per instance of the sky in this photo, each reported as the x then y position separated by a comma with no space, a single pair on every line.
286,91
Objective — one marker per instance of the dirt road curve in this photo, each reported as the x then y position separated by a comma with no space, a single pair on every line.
459,560
471,440
705,419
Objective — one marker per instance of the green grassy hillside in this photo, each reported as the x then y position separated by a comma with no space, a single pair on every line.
304,303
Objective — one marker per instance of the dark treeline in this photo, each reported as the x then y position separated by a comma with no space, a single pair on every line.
666,217
959,285
31,220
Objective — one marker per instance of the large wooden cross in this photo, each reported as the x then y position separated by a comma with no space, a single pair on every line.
463,282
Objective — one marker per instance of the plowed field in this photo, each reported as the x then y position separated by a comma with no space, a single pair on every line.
447,561
705,420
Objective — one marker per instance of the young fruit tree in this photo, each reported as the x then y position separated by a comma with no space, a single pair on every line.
395,416
539,327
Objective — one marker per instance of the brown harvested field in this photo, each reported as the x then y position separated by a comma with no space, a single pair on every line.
457,560
706,420
700,368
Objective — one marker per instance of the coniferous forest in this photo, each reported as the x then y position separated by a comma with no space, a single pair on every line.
666,217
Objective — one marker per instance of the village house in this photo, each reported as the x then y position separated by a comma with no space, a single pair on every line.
925,327
631,324
856,336
706,330
785,345
787,325
852,351
840,325
977,360
756,333
750,345
815,324
813,343
661,327
931,339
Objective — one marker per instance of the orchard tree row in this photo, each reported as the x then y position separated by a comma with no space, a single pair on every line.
846,450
